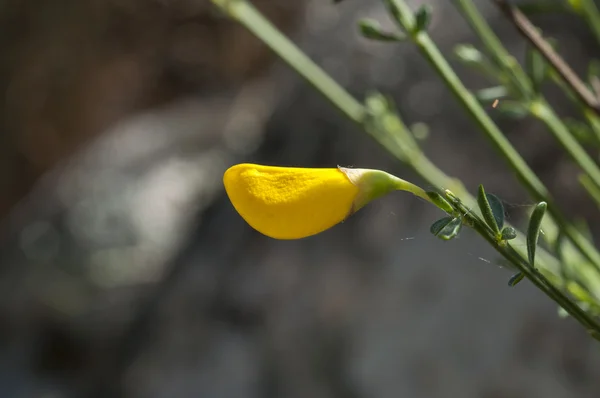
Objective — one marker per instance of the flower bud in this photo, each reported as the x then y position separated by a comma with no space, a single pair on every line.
294,203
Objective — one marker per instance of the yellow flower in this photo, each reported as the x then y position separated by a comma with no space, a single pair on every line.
294,203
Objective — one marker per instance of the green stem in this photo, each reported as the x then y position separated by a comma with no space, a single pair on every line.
594,121
405,19
590,116
496,50
245,13
248,16
530,272
542,110
403,185
538,106
591,188
396,138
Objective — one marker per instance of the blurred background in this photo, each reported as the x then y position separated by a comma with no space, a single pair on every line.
125,271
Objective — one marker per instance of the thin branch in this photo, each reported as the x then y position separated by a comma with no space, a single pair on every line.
527,29
391,134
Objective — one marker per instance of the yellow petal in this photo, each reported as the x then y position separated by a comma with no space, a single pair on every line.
287,202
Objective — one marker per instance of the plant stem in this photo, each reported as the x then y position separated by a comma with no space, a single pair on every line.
405,19
246,14
589,115
591,188
530,272
535,38
543,111
497,51
398,140
594,121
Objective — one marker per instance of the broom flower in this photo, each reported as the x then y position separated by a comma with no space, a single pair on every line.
294,203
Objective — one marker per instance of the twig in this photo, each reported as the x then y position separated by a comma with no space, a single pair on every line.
406,21
392,135
527,29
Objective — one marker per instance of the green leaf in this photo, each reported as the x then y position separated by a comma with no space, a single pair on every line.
376,105
440,202
446,228
497,209
371,29
488,212
592,189
584,228
509,233
581,131
420,131
468,54
513,109
516,278
536,67
533,231
422,18
492,209
558,246
581,294
490,94
439,225
593,76
562,313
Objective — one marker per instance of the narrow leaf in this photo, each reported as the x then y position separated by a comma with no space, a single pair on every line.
593,69
562,313
513,109
497,209
420,131
440,202
591,188
440,224
422,18
583,227
593,76
516,278
446,228
581,131
487,211
371,29
533,231
536,67
468,54
558,246
490,94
